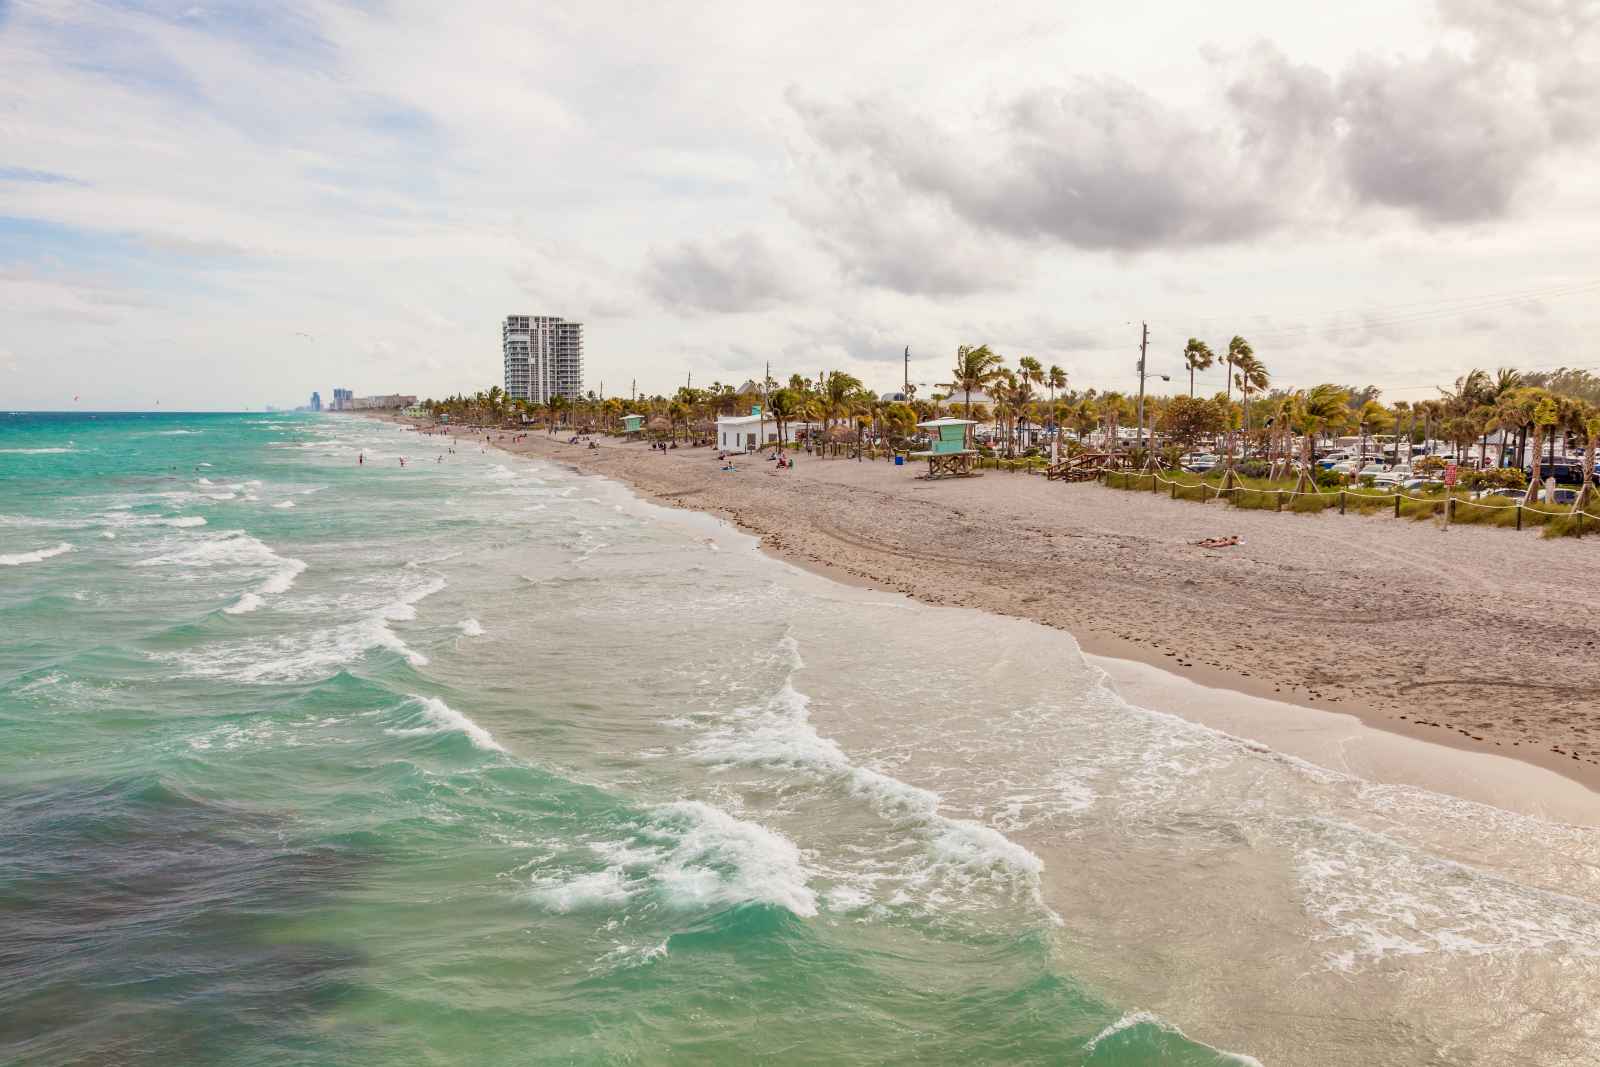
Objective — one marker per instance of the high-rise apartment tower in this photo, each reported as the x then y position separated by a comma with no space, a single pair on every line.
543,357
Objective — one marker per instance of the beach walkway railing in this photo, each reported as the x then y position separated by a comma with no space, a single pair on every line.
1561,521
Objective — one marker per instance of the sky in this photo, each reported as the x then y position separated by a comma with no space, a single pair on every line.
218,205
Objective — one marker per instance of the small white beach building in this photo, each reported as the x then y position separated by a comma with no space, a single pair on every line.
746,433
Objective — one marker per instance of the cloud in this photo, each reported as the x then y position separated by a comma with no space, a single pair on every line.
1102,165
1440,137
1098,165
881,234
734,274
43,177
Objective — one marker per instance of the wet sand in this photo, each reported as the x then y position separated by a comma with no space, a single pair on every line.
1480,639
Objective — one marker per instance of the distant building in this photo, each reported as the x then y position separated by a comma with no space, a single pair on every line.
342,399
543,358
316,402
384,402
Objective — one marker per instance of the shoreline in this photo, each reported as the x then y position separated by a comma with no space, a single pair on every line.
1330,724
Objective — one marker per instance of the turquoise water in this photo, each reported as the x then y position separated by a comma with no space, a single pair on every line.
475,761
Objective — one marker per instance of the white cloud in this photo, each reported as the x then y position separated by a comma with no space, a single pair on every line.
201,185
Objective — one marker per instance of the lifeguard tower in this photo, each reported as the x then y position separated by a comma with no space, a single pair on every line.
951,453
632,427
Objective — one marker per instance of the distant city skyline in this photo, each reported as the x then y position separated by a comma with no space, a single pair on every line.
218,205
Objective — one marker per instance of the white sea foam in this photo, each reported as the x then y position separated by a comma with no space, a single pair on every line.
404,609
183,521
177,433
443,718
689,854
108,535
232,548
470,627
16,559
283,579
778,733
284,504
302,655
35,451
1135,1019
246,603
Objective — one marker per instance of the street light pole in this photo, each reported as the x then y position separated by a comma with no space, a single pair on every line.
1144,343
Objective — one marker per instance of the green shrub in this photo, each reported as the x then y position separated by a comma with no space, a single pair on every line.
1327,479
1253,468
1495,478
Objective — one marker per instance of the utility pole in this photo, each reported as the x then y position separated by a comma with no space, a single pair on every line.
1144,343
634,389
906,388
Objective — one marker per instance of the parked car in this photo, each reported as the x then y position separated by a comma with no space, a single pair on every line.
1563,473
1507,494
1201,462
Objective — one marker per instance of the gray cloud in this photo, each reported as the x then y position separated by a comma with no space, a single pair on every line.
883,235
738,273
1101,165
1442,137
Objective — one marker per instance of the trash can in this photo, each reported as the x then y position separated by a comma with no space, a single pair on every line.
899,460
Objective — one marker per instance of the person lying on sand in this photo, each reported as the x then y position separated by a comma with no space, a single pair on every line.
1219,542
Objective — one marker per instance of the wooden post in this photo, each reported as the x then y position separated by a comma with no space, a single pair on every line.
1519,516
1174,489
1397,505
1449,509
1341,501
1278,500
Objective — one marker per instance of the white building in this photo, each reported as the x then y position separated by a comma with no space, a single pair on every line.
543,357
746,433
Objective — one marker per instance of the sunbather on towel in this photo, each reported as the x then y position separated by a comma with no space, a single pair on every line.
1219,542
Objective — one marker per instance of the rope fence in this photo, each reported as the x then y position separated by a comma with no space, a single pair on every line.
1341,497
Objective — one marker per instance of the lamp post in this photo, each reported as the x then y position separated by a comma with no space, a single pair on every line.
1144,342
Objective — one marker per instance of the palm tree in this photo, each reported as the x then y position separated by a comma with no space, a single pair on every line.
1055,378
785,404
1019,397
1085,417
1373,416
1030,370
1237,348
1591,431
1197,355
976,368
1544,412
1314,411
1111,408
1251,377
1400,410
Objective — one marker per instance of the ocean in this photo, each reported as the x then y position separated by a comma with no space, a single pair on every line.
308,757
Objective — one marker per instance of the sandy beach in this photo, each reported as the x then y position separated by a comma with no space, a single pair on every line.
1481,639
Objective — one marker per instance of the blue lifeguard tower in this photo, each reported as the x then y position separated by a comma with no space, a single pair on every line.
951,453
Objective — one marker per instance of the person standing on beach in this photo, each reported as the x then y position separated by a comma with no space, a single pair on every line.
361,458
